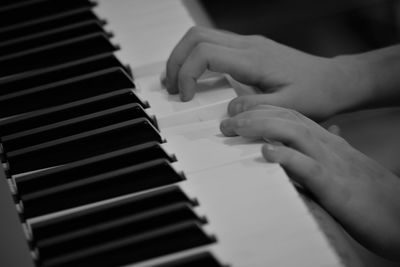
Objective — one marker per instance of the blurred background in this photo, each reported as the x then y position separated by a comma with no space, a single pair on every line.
328,28
324,28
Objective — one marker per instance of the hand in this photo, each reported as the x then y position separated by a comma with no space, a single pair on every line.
315,86
362,195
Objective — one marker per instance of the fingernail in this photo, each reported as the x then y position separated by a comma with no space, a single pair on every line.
224,123
269,147
269,153
183,96
226,128
223,127
238,108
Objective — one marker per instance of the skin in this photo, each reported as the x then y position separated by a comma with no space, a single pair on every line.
362,195
286,86
278,75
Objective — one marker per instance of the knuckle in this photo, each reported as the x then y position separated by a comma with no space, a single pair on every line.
295,114
285,113
193,31
201,49
257,39
254,61
315,170
341,141
290,114
254,57
304,132
198,34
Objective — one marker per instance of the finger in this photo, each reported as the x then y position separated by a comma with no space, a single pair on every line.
246,102
290,133
257,112
269,111
279,112
163,79
190,40
215,58
304,170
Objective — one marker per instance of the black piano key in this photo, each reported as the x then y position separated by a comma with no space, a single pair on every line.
67,111
61,72
74,126
37,9
164,241
197,260
120,182
66,91
90,167
47,23
55,54
9,4
84,145
110,211
118,228
53,36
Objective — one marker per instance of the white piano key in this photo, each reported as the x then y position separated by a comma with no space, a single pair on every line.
210,91
228,175
172,257
258,216
147,30
234,184
200,146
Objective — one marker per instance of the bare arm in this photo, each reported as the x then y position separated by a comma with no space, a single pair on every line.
381,70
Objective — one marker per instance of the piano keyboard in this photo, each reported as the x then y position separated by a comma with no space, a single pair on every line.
89,173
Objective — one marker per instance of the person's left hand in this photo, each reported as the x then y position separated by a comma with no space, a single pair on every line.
362,195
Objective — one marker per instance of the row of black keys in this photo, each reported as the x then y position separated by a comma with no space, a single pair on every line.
79,113
125,231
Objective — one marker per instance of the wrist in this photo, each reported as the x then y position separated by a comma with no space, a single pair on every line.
356,81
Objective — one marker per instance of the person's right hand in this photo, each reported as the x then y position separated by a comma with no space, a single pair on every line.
358,192
281,76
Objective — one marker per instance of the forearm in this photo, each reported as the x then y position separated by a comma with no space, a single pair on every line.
379,74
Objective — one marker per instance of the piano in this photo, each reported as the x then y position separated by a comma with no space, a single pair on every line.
101,167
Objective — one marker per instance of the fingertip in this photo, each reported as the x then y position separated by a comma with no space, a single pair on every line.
171,86
235,106
184,98
163,79
185,95
172,91
269,152
244,103
187,87
231,106
171,80
226,128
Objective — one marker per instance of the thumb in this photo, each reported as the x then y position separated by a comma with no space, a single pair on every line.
246,102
